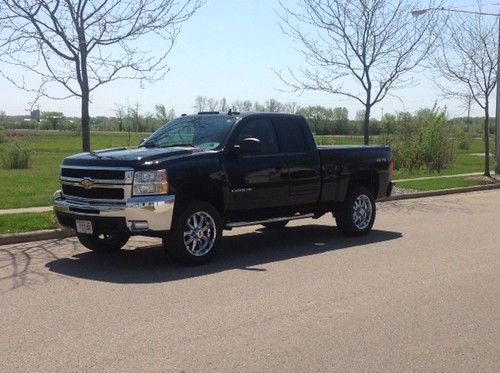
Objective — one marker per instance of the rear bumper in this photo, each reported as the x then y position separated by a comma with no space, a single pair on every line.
138,215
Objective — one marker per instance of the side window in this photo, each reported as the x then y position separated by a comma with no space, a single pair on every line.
290,135
263,130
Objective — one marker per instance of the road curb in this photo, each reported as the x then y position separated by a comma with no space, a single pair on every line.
441,192
50,234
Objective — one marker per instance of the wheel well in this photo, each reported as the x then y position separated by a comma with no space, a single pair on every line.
368,179
215,198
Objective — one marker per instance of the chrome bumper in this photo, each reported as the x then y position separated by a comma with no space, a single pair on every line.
146,213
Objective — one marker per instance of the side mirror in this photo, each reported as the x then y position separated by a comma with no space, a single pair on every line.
250,145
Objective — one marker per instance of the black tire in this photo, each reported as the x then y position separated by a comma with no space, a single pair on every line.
276,224
103,243
356,215
191,243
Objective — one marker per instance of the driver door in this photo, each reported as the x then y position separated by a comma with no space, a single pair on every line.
257,181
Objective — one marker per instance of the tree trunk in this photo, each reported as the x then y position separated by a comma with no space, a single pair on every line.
486,141
85,121
367,125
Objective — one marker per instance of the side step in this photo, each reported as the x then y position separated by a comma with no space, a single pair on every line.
272,220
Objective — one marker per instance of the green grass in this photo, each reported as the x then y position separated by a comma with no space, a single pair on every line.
27,222
443,183
35,186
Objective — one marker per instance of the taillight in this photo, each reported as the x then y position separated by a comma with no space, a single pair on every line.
391,169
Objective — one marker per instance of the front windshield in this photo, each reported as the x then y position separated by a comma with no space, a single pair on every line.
205,132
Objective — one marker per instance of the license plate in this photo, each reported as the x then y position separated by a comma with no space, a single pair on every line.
84,226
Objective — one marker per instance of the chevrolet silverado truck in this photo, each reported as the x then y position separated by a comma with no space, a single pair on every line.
200,174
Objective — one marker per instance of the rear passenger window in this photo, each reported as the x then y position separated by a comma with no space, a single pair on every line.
290,135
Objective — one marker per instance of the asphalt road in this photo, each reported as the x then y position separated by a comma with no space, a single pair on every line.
420,293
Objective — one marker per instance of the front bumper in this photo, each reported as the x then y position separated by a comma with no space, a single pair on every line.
138,215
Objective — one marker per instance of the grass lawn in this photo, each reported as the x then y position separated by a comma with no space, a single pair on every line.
27,222
443,183
35,186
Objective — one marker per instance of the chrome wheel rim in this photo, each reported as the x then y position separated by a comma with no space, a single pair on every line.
199,233
362,212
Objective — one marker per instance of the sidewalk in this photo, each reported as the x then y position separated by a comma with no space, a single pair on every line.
440,177
26,209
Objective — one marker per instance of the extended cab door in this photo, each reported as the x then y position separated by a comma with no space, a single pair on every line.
256,181
302,158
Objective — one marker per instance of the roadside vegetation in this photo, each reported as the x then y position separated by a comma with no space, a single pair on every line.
446,183
27,222
34,186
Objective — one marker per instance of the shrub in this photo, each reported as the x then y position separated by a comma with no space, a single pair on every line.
423,141
16,155
464,140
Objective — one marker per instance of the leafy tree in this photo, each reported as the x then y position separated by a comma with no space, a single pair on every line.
52,120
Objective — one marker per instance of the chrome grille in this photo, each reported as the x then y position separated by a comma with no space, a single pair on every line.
97,183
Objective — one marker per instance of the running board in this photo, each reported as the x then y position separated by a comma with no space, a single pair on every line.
273,220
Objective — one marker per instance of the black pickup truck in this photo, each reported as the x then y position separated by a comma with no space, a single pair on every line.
200,174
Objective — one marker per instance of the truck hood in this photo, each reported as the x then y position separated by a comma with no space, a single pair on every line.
128,157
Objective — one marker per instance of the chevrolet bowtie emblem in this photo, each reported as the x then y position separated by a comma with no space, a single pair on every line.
87,183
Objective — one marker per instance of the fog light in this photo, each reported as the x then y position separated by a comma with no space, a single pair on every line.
140,225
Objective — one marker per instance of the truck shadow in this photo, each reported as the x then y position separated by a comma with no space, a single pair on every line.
246,251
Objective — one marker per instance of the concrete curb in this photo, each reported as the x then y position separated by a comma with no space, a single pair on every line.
441,192
50,234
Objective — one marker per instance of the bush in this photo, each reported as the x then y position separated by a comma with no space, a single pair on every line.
464,140
423,141
16,156
3,138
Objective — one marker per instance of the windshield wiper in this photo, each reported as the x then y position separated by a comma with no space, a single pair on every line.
179,145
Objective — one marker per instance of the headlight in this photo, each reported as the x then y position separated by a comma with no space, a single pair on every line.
150,182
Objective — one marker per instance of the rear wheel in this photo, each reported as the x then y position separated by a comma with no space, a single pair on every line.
276,224
195,234
356,215
103,243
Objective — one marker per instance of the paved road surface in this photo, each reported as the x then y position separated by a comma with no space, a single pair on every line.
421,293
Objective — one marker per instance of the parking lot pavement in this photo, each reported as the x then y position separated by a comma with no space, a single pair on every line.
421,292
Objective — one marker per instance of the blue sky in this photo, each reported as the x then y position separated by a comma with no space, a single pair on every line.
229,49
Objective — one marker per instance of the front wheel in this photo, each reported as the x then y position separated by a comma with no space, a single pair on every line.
195,234
356,215
103,243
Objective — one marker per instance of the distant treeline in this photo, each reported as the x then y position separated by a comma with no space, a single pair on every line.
323,120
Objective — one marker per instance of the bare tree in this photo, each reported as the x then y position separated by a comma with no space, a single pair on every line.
81,45
120,113
468,58
373,43
274,106
200,103
223,105
212,104
291,107
161,113
242,105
